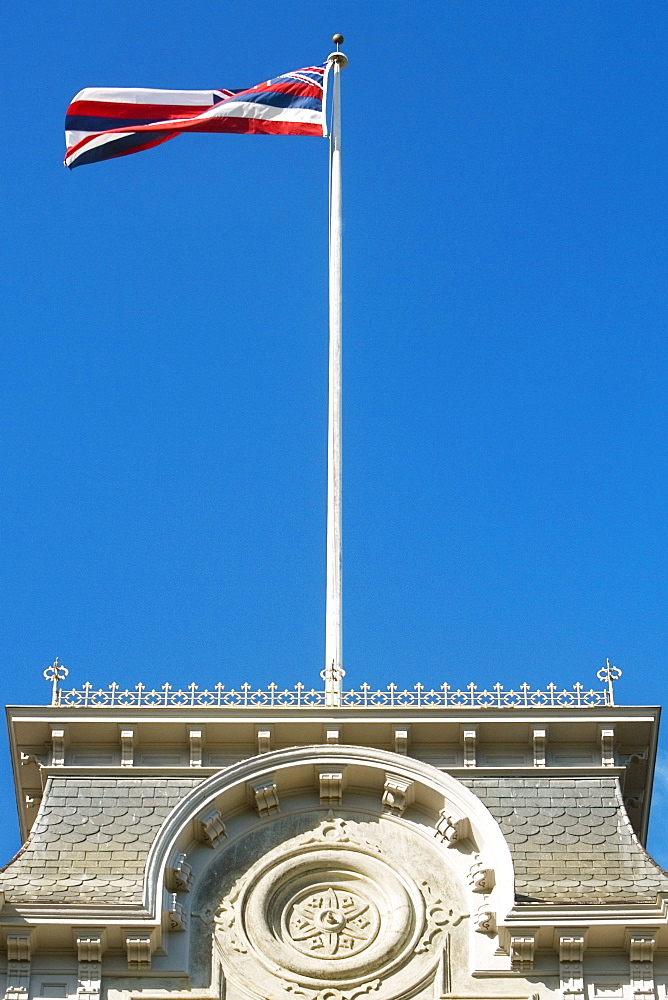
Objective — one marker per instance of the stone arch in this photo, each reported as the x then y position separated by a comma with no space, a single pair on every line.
377,861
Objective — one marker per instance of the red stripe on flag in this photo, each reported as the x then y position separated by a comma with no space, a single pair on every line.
157,112
254,125
239,125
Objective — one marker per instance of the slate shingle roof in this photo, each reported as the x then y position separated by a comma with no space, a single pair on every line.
91,839
570,839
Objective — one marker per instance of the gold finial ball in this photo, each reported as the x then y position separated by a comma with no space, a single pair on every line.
337,39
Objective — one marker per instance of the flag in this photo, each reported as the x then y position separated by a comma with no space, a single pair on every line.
103,123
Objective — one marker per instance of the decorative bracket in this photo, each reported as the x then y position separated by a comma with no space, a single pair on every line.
571,957
127,747
607,747
139,948
480,879
484,921
397,794
452,831
470,737
265,794
211,827
332,736
90,947
641,945
19,954
264,736
331,788
179,877
401,737
522,951
176,917
32,799
195,736
539,740
58,736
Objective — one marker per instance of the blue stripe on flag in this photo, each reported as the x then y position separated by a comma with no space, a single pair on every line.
114,147
278,99
94,123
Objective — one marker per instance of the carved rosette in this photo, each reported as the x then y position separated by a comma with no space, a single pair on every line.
326,917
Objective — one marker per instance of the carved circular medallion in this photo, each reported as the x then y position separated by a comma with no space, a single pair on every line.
331,922
329,913
329,917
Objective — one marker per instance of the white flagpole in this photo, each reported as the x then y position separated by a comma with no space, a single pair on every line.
333,672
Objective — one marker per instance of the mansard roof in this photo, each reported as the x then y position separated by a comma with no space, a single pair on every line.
91,839
569,838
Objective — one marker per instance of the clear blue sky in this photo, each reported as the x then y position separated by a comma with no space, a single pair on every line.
164,323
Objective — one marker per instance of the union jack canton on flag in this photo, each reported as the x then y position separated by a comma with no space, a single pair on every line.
102,123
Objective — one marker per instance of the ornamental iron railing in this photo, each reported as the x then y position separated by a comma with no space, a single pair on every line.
300,696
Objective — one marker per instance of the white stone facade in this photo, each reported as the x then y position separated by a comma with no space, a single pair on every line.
313,853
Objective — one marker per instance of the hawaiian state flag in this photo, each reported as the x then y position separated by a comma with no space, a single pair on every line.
102,123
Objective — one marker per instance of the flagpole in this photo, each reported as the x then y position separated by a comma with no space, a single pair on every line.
333,672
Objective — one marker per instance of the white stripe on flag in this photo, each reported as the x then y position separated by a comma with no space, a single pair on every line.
247,109
129,95
100,141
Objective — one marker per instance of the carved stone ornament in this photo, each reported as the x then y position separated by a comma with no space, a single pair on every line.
480,879
324,916
484,921
176,914
522,952
330,787
178,877
211,827
452,832
331,922
139,949
438,916
330,992
265,795
396,794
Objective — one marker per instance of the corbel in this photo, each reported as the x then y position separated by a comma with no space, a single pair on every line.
265,796
178,876
401,737
571,946
176,918
195,738
607,747
469,737
641,945
264,737
32,799
19,955
90,945
139,948
480,879
397,794
58,738
539,741
211,828
522,948
484,920
127,737
330,786
452,831
332,735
